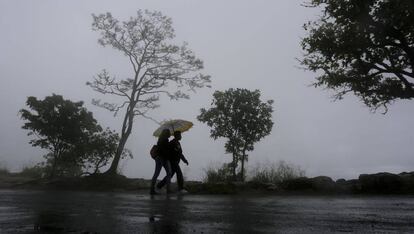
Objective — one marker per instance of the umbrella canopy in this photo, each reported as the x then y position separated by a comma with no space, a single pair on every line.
173,125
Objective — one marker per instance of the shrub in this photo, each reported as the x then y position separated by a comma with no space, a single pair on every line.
36,171
218,175
4,170
275,172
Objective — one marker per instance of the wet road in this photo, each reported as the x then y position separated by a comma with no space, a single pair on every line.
92,212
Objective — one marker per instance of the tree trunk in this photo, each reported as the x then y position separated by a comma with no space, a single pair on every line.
54,163
242,167
114,165
126,131
234,166
52,173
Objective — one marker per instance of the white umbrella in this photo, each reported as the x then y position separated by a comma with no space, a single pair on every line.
173,125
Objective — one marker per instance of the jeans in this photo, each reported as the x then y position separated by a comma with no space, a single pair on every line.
180,179
159,163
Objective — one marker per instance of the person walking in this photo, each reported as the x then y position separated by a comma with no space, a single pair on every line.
162,160
176,157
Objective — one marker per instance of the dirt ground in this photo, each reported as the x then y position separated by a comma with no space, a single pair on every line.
28,211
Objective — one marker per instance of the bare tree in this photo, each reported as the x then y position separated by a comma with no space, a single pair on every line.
146,40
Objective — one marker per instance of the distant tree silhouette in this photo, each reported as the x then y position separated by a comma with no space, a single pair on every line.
363,46
156,63
73,138
240,116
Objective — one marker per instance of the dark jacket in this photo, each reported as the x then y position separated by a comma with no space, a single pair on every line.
164,149
176,151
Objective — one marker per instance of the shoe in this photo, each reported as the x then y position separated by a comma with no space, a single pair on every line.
183,191
158,190
154,193
158,186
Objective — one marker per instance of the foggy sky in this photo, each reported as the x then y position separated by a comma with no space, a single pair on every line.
49,47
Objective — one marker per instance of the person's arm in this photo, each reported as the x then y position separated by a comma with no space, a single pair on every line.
184,159
180,152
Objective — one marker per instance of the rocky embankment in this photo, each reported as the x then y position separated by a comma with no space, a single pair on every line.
379,183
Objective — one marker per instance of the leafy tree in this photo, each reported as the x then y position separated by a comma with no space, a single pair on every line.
363,46
74,140
240,116
59,125
156,63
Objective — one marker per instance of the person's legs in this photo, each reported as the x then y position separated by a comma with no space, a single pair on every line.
164,180
180,178
167,167
157,171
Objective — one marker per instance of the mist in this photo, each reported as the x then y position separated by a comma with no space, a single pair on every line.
49,47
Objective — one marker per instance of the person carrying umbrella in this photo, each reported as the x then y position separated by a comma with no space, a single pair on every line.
176,155
162,160
176,126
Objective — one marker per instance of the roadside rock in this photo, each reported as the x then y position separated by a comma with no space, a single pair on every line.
323,184
381,183
319,184
408,182
348,186
297,184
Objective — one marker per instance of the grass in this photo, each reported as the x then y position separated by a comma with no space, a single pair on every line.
4,170
214,174
275,173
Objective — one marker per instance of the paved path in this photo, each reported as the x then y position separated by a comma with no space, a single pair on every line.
92,212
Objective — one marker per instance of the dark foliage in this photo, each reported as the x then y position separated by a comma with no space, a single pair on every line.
240,116
363,46
74,140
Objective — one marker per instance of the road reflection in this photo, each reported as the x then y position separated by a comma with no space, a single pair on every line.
95,212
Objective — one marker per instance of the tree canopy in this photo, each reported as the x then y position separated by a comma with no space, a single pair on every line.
240,116
363,46
158,67
75,142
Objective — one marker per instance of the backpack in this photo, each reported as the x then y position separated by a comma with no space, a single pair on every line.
154,151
